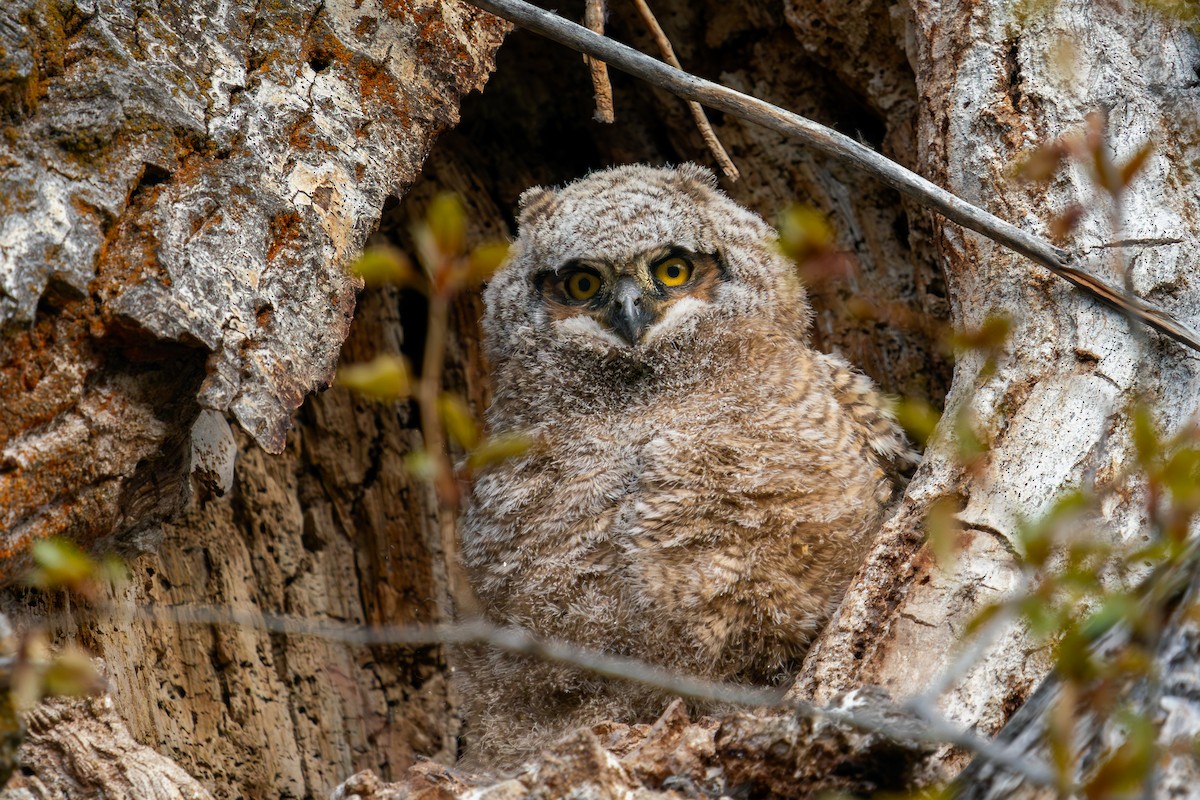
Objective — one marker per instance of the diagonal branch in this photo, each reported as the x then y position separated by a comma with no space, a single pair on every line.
931,728
843,148
706,130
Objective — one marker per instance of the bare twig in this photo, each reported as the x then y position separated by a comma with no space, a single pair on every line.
593,18
843,148
706,129
520,642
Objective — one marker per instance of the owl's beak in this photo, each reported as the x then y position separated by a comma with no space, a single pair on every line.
629,313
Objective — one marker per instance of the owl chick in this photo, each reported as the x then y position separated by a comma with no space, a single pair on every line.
704,483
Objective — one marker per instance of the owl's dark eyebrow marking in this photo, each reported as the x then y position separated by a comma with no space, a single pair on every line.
660,254
561,271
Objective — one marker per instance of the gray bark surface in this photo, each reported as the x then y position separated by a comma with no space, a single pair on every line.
206,172
1055,412
182,189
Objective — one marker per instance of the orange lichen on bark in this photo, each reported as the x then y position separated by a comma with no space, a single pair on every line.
285,232
42,369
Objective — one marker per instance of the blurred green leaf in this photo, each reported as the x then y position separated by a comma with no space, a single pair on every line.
968,444
1104,171
484,261
1027,11
1074,661
380,266
71,673
1181,473
918,419
460,423
804,233
420,465
113,569
1036,539
12,732
942,530
1042,617
59,563
447,224
385,378
1063,223
982,617
1146,440
1040,164
988,337
1124,772
1060,733
499,448
1113,610
1136,163
1185,11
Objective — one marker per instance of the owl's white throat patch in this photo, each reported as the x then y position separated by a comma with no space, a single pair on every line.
588,329
680,319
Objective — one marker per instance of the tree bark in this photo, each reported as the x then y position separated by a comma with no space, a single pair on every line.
1054,413
183,188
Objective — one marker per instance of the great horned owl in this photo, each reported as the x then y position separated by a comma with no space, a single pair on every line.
704,483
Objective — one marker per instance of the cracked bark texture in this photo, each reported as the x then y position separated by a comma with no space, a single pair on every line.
762,754
182,186
80,748
1055,412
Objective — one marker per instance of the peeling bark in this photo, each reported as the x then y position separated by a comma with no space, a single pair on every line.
182,187
1054,413
753,754
80,748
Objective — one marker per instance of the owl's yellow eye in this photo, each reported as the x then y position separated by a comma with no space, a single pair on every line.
583,285
674,271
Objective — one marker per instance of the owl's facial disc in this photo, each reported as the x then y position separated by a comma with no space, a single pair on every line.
629,300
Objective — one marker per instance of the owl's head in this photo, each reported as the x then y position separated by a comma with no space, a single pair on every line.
633,261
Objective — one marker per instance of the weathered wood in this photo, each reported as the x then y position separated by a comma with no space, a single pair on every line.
182,191
762,754
156,314
1055,412
182,186
77,748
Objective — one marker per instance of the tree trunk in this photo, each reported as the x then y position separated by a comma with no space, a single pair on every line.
182,190
1054,414
183,187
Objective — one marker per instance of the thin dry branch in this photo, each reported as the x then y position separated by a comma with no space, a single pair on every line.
843,148
514,640
706,129
432,429
593,17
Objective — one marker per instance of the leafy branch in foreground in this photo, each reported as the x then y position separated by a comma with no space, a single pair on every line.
1098,606
447,267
